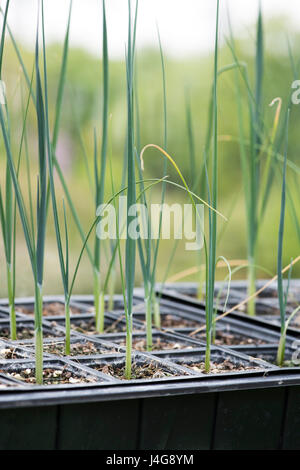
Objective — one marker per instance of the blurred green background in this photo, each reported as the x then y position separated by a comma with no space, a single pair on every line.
81,114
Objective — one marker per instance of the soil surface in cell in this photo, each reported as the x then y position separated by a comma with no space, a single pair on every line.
88,327
50,309
220,367
144,371
24,333
173,321
77,349
228,339
9,353
140,344
50,376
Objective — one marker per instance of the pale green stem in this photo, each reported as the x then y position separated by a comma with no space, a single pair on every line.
201,281
148,301
38,307
99,303
68,328
281,350
96,295
281,346
111,289
156,312
100,325
207,352
214,330
11,302
251,286
128,350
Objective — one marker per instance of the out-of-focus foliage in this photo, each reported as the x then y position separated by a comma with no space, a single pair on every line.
82,113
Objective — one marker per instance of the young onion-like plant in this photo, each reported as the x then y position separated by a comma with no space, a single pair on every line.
63,258
282,296
199,181
211,254
257,175
51,148
212,209
100,181
100,287
7,214
210,250
194,179
94,258
35,242
251,164
130,248
148,251
8,218
156,308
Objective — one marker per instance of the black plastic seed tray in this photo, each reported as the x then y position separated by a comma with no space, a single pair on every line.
257,409
251,404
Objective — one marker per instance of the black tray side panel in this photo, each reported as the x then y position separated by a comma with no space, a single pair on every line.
177,423
249,419
291,436
99,426
28,428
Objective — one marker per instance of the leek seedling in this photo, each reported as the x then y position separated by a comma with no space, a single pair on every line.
212,239
156,309
256,182
94,258
211,255
199,183
194,179
144,251
35,245
51,152
255,163
149,252
100,181
281,296
7,216
131,190
114,245
9,229
63,259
